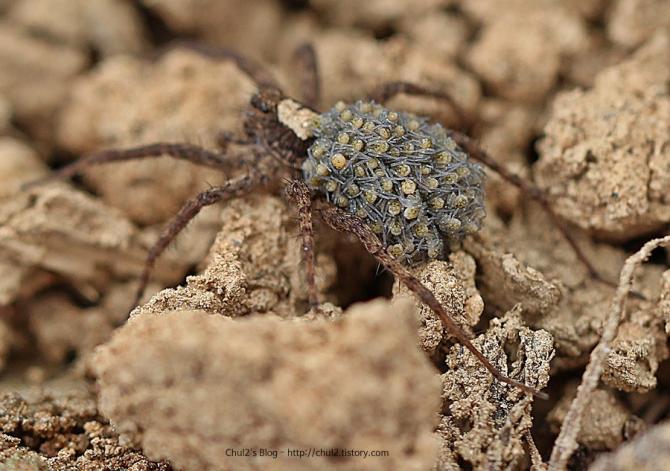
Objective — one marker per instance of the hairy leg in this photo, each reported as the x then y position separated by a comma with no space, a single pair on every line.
190,153
306,64
346,222
532,191
298,193
190,210
225,138
260,75
388,90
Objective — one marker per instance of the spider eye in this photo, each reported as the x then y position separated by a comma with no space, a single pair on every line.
266,99
259,103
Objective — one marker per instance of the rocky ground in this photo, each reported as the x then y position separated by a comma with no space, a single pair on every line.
222,358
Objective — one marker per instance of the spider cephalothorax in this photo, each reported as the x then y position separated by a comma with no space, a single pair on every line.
263,128
405,177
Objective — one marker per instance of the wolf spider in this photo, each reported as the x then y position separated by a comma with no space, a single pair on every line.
273,147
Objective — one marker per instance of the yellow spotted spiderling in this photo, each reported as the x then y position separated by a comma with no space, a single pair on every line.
413,183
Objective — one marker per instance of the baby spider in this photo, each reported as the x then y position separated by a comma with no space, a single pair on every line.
405,187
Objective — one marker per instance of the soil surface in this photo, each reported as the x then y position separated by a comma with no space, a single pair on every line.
223,366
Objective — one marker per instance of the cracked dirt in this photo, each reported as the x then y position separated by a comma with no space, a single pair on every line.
223,353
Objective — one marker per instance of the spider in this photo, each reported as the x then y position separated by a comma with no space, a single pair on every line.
341,166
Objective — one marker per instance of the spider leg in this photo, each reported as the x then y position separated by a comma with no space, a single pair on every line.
188,211
225,138
535,193
346,222
190,153
298,193
307,65
388,90
253,69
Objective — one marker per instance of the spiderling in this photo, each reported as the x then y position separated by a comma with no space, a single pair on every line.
409,181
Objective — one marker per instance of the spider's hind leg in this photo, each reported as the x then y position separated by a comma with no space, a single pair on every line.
388,90
530,189
346,222
188,211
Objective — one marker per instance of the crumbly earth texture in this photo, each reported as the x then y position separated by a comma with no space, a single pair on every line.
63,429
268,387
224,363
608,175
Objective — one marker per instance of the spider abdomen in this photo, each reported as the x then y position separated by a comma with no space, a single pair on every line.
405,177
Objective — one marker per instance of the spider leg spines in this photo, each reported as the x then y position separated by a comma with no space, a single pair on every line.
190,153
346,222
188,211
298,193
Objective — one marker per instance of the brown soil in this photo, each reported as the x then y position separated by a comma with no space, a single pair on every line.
221,369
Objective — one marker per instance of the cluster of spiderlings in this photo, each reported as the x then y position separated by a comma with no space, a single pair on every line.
410,182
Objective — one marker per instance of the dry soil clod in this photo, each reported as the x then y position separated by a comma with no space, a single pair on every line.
82,76
604,160
270,384
566,443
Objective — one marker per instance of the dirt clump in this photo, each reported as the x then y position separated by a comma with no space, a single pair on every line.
35,77
253,266
609,418
632,23
484,424
217,21
225,351
453,284
65,432
648,452
604,158
520,55
108,26
269,386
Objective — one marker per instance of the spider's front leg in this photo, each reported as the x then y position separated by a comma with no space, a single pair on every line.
298,194
305,60
233,188
346,222
190,153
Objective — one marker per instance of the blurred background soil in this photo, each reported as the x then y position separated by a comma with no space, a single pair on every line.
574,95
